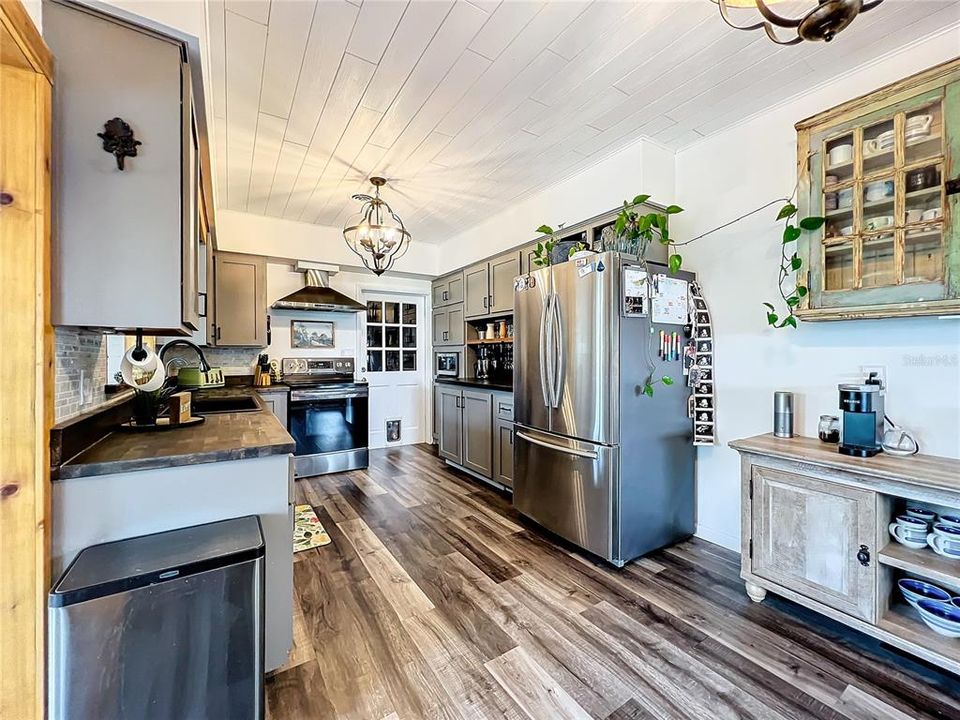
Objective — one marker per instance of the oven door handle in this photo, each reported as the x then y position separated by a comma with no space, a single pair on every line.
295,398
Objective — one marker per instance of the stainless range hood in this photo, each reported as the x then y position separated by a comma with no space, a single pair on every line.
317,295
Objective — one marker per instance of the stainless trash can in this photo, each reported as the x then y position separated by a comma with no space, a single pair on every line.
166,626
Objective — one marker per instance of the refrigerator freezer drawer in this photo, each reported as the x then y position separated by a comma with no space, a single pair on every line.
567,486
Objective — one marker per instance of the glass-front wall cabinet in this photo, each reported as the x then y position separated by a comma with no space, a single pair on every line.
879,170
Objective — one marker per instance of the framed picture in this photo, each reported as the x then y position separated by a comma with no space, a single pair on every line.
309,334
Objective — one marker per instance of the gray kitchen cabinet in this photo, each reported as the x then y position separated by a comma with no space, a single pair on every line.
503,270
448,290
476,290
526,259
276,400
450,423
807,534
123,248
448,326
503,452
240,300
478,432
488,286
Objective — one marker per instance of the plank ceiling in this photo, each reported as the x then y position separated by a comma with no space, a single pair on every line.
467,106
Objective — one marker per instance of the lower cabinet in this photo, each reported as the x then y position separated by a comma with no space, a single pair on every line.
478,432
276,401
474,430
808,535
503,452
449,423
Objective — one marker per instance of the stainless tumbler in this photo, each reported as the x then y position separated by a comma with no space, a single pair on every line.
783,414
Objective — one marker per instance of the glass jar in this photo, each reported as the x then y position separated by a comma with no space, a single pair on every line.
829,429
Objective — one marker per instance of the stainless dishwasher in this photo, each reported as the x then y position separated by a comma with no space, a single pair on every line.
161,626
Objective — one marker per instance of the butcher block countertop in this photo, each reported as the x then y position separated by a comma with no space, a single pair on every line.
928,471
223,436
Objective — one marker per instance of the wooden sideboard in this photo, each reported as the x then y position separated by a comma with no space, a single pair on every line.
814,530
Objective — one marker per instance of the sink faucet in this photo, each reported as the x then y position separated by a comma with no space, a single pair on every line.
204,365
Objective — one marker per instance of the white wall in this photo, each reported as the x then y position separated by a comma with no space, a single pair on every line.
259,235
644,167
733,172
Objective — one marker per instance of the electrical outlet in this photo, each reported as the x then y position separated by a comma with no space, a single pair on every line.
880,370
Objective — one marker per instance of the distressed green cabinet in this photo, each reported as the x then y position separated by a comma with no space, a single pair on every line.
884,171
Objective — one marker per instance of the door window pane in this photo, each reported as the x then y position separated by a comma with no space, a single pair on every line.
922,255
392,361
878,263
374,360
878,144
839,155
838,266
878,196
392,336
409,360
375,312
409,337
923,133
391,313
409,314
374,336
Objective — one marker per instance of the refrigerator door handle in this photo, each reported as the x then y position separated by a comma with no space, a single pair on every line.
543,351
558,355
589,454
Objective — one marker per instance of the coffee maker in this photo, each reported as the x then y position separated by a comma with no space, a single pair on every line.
863,417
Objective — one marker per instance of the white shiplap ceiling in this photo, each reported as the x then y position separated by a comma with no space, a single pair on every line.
467,106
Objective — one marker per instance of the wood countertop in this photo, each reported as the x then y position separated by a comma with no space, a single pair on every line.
929,471
224,436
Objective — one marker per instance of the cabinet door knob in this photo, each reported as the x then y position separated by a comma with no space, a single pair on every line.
5,199
863,556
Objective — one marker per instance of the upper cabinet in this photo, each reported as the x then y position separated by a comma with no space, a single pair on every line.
883,170
488,286
448,290
125,240
239,301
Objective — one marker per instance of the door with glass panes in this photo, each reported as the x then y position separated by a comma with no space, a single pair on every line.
394,352
882,179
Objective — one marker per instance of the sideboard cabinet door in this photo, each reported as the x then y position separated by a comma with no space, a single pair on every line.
807,534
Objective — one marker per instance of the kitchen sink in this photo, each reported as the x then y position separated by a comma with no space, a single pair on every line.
211,405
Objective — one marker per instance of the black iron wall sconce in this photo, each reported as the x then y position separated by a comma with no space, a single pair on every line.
118,140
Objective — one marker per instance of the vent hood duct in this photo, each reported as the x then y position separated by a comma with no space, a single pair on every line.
317,295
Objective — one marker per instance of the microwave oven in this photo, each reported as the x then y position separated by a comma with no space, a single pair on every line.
447,364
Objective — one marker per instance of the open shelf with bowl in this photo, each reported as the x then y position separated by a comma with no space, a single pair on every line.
802,499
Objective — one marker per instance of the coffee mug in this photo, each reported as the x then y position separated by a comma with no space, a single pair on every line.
840,154
950,521
879,190
871,147
945,541
919,124
878,223
931,214
921,514
914,215
908,537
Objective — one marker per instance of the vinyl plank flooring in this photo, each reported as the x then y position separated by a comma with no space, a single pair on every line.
436,600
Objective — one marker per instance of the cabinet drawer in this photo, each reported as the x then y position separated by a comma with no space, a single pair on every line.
503,408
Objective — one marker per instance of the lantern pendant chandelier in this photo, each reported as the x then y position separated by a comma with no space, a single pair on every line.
822,22
376,234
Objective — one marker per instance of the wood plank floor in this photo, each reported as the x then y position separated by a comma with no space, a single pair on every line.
436,600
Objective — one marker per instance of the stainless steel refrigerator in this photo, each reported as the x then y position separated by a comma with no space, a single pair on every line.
597,462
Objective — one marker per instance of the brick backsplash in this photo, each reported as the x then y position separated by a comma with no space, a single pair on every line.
78,353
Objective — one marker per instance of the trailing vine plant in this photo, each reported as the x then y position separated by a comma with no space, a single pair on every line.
637,229
792,291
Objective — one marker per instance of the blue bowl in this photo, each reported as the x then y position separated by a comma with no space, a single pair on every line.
947,530
943,618
952,520
917,590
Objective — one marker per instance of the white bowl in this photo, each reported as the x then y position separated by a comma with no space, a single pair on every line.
942,618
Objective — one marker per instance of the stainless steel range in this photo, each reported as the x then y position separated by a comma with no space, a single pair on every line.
328,415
